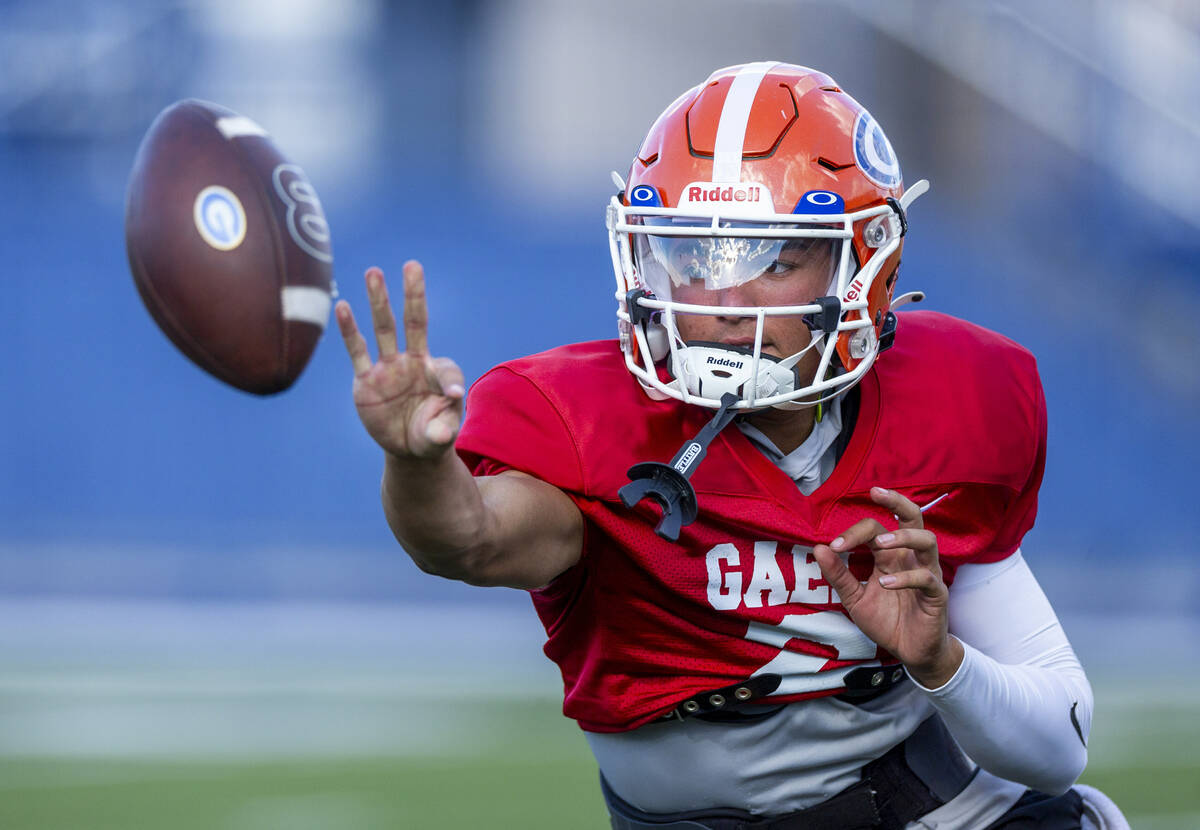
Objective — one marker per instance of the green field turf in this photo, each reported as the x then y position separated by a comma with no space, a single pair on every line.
486,793
123,716
531,770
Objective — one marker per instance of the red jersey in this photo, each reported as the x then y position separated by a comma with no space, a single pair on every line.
640,623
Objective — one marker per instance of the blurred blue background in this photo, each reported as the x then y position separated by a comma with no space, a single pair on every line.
1062,141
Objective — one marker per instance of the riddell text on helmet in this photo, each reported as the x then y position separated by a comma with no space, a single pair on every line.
697,193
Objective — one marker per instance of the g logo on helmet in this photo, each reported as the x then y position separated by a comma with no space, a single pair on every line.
873,153
219,217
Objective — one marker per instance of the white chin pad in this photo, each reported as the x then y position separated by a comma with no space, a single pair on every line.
711,371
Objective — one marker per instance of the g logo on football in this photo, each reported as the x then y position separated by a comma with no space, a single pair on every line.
873,152
219,217
306,221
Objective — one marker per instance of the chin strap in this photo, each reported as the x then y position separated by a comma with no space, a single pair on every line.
668,484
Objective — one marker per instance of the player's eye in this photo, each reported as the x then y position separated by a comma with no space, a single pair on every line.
802,253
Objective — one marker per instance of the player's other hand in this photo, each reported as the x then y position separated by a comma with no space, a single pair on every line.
903,605
410,402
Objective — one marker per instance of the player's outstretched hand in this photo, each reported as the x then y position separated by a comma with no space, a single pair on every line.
903,605
410,403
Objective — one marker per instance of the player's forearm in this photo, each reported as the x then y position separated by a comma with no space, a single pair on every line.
436,512
508,529
1025,723
1020,703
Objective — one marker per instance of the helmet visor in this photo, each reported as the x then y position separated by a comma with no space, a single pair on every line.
691,268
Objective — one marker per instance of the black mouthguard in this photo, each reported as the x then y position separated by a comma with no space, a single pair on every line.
668,484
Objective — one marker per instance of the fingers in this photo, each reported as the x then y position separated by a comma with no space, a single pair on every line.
438,418
442,430
905,511
863,532
416,316
920,579
381,313
356,346
438,433
921,542
445,413
911,534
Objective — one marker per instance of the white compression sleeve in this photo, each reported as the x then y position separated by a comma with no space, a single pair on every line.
1020,704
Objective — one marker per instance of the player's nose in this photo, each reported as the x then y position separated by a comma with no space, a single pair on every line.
734,297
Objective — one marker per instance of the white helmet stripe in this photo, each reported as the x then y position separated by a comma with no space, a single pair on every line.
735,116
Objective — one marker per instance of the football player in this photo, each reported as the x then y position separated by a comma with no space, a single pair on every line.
773,531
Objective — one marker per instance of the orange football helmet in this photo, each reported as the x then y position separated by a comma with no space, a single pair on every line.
763,168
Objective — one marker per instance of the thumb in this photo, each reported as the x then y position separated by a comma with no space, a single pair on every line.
837,575
434,427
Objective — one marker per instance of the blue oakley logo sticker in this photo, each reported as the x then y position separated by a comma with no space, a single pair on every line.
821,202
644,196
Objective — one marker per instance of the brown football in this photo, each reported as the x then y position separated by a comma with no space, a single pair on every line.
228,246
